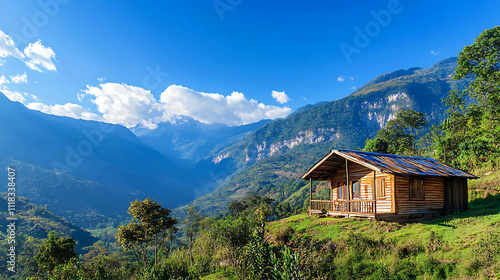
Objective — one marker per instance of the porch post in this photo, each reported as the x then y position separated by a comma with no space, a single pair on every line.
349,189
310,193
330,196
374,192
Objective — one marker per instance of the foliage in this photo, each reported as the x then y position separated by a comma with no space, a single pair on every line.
191,228
399,136
55,251
67,271
287,266
248,204
149,226
233,234
470,134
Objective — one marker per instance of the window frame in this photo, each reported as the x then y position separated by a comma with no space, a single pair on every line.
341,188
379,189
419,184
359,189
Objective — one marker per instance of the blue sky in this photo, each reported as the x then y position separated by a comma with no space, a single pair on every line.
144,62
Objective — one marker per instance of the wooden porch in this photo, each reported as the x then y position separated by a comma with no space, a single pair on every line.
344,207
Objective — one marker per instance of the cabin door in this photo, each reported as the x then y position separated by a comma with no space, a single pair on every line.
455,195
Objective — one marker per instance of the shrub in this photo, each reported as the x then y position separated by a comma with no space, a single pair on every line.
409,249
435,243
284,235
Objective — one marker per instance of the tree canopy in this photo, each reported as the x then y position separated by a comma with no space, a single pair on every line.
470,135
149,220
399,136
55,251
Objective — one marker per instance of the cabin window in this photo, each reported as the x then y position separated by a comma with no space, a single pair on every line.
417,190
341,190
380,187
356,190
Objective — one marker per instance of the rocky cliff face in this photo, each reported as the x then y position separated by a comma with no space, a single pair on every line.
264,149
384,109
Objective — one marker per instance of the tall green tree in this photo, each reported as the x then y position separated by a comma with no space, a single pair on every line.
191,228
233,234
55,251
149,222
400,134
471,132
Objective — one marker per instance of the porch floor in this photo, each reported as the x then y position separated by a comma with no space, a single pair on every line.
342,214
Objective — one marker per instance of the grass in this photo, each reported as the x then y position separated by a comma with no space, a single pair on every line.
224,275
462,239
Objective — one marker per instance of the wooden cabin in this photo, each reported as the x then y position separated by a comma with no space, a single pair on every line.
387,187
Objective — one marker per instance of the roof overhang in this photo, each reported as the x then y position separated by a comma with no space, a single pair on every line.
330,163
383,163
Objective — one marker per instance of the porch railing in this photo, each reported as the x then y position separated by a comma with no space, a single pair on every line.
340,205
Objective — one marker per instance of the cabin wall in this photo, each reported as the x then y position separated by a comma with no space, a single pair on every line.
434,196
384,204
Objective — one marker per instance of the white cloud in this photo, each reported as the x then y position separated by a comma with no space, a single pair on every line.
36,56
39,56
13,95
101,79
3,80
436,52
68,110
126,105
340,79
352,79
34,97
8,48
234,109
131,106
280,96
19,78
354,88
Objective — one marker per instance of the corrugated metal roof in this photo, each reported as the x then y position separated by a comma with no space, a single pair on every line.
387,163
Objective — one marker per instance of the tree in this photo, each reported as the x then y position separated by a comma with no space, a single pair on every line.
191,228
171,237
149,222
376,145
399,136
55,251
233,234
248,204
471,132
481,62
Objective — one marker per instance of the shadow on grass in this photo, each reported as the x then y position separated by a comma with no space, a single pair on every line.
489,205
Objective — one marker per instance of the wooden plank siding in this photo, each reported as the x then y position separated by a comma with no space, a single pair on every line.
432,202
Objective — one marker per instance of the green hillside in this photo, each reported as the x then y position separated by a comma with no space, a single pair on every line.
83,202
33,224
457,246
